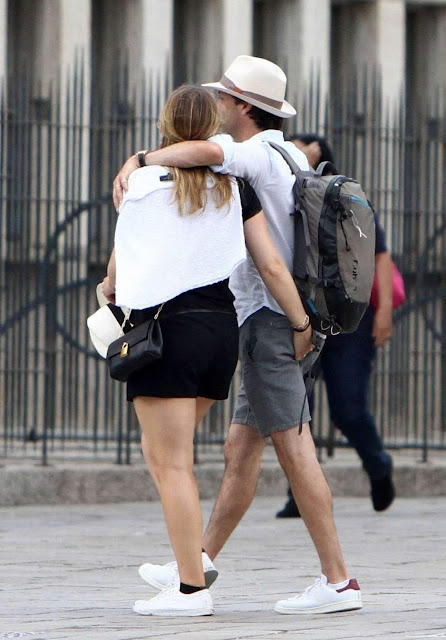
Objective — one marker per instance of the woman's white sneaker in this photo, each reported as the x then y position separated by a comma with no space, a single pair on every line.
320,598
172,603
162,575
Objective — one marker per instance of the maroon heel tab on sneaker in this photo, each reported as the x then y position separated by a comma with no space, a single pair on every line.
353,584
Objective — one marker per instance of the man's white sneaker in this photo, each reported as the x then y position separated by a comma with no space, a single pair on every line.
172,603
319,598
161,575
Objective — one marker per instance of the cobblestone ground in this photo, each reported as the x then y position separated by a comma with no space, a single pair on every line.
70,572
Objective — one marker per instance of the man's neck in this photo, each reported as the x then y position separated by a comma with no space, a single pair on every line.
246,131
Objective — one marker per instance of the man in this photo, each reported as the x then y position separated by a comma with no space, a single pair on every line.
272,399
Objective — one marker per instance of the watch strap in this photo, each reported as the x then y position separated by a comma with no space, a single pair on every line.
141,155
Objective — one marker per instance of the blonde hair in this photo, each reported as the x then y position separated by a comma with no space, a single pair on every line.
191,113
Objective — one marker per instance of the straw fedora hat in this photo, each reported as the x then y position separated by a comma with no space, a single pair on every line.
258,82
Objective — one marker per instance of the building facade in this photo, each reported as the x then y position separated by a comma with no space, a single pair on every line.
194,40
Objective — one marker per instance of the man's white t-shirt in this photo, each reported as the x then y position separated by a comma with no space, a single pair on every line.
270,176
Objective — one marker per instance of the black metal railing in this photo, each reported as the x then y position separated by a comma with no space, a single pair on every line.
58,156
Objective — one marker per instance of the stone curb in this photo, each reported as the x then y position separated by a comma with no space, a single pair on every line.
99,483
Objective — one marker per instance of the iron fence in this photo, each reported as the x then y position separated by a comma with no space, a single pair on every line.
59,151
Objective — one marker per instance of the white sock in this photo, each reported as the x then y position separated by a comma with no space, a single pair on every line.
338,585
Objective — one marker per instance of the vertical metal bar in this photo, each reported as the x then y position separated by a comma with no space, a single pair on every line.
316,78
46,286
425,210
30,212
78,266
441,262
5,205
3,200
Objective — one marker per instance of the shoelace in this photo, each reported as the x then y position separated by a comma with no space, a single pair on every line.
171,587
308,589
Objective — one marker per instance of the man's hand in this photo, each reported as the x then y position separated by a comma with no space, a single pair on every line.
120,183
382,326
303,343
108,290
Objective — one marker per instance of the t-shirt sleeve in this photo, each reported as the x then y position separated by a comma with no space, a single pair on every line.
249,200
380,240
249,160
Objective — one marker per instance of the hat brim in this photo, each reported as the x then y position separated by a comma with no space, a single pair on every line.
287,111
100,347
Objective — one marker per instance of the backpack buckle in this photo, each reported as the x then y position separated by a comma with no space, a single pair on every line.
331,326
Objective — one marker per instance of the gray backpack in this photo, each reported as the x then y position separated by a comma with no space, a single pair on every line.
334,247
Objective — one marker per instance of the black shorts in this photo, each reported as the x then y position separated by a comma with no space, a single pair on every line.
200,351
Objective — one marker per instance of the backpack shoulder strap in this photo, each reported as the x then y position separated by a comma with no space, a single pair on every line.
286,156
326,168
301,228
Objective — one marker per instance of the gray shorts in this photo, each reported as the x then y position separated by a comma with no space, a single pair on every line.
272,395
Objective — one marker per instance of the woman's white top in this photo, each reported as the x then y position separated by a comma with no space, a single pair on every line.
160,253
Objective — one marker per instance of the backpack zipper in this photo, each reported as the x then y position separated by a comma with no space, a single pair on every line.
347,246
360,201
355,222
356,225
332,200
333,192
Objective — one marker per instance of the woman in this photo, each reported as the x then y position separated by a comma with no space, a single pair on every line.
178,237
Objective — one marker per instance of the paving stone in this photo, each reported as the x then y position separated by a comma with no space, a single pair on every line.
69,572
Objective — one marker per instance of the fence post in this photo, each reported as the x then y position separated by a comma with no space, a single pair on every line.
50,301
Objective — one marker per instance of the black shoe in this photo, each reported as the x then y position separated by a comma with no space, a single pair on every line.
383,492
290,510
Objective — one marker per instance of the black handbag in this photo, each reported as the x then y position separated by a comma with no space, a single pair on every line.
136,348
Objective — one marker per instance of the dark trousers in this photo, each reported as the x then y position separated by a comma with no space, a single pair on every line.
346,363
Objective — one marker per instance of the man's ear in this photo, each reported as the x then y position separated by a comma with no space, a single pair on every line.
246,107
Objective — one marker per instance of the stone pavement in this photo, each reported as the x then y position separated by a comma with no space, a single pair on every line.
69,572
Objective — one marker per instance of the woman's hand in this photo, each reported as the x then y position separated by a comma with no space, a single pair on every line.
108,290
303,342
120,183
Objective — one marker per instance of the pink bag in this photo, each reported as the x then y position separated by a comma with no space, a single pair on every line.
399,292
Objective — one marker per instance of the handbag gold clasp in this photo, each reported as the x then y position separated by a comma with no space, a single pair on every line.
124,350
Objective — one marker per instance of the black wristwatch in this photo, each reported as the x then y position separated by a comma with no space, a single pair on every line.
141,155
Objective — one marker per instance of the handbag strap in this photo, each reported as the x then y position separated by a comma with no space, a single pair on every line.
155,317
127,315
